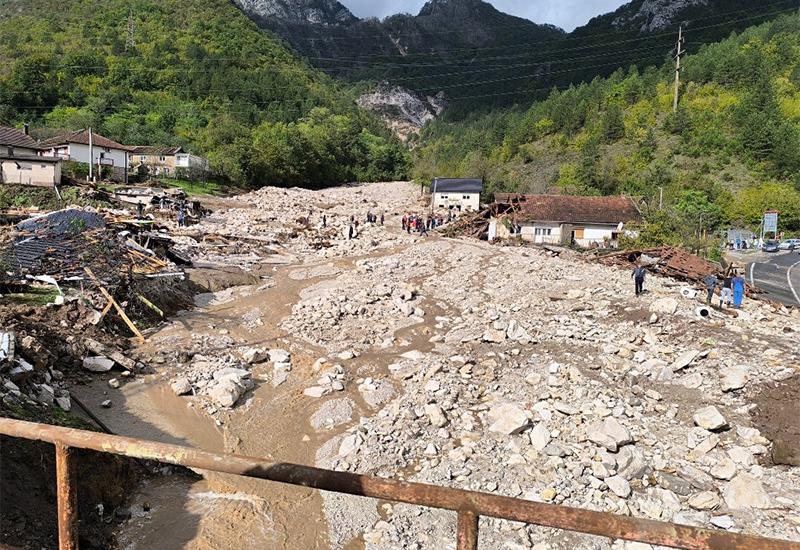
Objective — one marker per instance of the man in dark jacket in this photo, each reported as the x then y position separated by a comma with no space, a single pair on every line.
711,283
638,277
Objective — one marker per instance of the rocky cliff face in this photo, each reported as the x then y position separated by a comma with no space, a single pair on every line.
404,111
656,15
314,12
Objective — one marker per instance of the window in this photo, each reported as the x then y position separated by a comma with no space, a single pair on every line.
543,231
444,197
162,158
465,197
143,158
25,166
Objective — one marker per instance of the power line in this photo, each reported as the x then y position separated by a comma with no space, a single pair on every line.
387,34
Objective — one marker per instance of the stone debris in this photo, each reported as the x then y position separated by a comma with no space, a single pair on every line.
709,418
733,378
441,364
745,492
508,419
98,364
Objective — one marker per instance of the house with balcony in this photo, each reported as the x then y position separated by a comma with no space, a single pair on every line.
87,147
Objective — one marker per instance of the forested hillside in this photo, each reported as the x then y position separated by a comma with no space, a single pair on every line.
731,151
196,73
482,58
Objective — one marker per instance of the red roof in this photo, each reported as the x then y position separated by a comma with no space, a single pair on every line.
82,137
571,208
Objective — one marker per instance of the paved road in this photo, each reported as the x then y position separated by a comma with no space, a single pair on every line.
778,275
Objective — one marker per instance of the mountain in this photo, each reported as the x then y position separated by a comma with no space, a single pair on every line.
209,80
315,12
730,152
480,57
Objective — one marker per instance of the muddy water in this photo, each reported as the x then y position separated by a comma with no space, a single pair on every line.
221,511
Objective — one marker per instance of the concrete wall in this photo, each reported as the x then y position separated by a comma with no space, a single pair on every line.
553,233
30,172
542,232
464,201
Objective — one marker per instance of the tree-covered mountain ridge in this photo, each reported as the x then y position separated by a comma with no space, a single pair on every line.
196,73
731,151
479,56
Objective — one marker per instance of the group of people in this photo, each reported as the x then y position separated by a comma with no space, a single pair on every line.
420,224
352,231
732,288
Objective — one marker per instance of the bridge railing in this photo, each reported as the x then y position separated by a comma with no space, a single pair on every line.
469,505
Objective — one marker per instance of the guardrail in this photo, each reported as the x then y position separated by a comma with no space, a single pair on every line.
469,505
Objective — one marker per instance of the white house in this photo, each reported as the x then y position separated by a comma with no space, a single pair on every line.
191,162
104,152
457,194
23,169
566,219
21,163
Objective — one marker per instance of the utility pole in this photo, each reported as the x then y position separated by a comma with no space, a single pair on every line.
680,51
91,155
130,38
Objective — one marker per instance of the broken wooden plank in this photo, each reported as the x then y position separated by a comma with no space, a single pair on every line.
116,305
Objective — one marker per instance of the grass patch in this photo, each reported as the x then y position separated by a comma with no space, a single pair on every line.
194,187
35,296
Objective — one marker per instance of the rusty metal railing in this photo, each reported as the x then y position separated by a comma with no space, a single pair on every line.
469,505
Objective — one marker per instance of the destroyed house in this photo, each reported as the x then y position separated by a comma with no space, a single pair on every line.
566,219
462,194
21,162
88,147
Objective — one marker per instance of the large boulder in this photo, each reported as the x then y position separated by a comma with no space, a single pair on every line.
709,418
745,492
508,419
98,364
667,306
609,433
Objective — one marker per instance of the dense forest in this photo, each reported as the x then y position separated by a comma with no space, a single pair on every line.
196,73
731,151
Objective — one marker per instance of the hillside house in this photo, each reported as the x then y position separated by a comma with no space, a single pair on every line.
462,195
159,161
166,161
21,162
75,146
565,219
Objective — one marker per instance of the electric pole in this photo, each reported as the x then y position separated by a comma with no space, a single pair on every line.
680,51
130,38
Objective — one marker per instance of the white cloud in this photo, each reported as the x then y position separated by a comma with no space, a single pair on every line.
567,14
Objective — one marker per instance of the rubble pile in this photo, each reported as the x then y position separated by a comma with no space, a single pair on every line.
274,226
669,261
546,382
43,351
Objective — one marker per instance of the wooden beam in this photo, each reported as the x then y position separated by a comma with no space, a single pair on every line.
114,303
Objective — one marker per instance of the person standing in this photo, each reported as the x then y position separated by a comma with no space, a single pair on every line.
324,221
727,291
382,218
738,290
638,276
350,232
711,283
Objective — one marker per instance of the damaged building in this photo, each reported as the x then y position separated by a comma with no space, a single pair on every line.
564,219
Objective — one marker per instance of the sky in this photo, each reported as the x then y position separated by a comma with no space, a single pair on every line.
566,14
